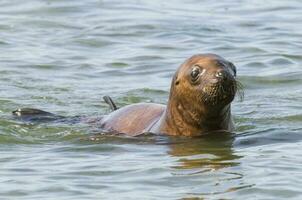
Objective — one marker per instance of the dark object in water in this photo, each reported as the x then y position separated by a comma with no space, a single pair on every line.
110,102
35,115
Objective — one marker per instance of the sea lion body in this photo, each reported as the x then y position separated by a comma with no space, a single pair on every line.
141,118
133,119
201,92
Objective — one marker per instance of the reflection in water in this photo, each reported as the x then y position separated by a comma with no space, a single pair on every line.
209,163
209,152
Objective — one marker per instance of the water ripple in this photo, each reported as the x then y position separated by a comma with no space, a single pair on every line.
63,56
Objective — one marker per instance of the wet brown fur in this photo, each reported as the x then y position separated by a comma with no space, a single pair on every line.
190,110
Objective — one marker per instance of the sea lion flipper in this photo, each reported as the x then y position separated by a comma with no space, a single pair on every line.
110,102
35,115
30,111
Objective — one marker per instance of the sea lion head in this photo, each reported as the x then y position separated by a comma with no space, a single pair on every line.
205,79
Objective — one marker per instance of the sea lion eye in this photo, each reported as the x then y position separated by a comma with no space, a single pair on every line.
195,73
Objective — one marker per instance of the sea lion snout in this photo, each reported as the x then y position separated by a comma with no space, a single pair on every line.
217,77
221,77
220,83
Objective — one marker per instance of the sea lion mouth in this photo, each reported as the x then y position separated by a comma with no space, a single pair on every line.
221,93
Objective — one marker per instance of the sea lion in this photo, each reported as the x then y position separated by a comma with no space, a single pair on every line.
201,93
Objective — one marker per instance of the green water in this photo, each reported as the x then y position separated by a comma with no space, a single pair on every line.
63,56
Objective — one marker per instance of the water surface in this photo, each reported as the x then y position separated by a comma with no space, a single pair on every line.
63,56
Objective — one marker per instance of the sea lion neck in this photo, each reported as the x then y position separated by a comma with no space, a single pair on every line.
182,119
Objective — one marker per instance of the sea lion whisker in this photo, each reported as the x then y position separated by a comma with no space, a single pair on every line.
239,90
221,89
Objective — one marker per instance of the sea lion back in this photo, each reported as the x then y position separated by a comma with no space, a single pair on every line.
133,119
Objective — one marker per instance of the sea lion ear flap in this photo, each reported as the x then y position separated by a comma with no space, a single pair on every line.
176,80
233,67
